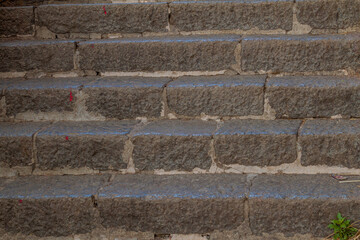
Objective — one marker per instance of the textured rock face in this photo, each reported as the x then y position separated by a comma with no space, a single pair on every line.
41,95
285,203
200,53
16,21
94,145
232,15
48,56
224,96
305,97
256,142
331,143
49,206
330,14
173,145
197,208
119,18
125,97
16,143
300,53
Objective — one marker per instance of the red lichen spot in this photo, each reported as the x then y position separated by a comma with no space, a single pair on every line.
20,201
71,96
104,10
67,138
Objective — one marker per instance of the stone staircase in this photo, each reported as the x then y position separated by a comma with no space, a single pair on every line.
178,120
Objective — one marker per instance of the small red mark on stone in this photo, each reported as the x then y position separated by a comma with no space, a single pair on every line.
20,201
71,96
104,10
67,138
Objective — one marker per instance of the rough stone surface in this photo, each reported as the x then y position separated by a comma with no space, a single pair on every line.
329,14
7,3
49,56
41,95
96,145
217,15
16,21
16,142
315,96
256,142
119,18
285,203
125,97
173,145
224,96
331,143
191,53
297,53
173,204
49,206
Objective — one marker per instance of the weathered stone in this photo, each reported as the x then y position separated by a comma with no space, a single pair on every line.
329,14
256,142
315,96
48,56
224,96
245,15
331,143
49,206
191,53
91,18
173,204
41,95
294,53
300,204
40,2
16,21
96,145
173,145
16,142
125,97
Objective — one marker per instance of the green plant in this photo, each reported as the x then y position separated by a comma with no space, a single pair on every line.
343,230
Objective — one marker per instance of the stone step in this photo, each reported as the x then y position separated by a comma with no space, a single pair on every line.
105,17
233,204
99,98
280,53
177,145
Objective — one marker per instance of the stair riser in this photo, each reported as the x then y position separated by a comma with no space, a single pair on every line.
184,204
187,97
272,54
259,16
172,146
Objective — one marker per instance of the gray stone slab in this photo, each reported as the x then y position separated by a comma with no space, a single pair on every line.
190,53
91,18
331,143
173,145
329,14
41,95
220,15
300,53
125,97
49,205
48,56
16,147
220,96
96,145
257,142
314,96
174,204
16,21
285,203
